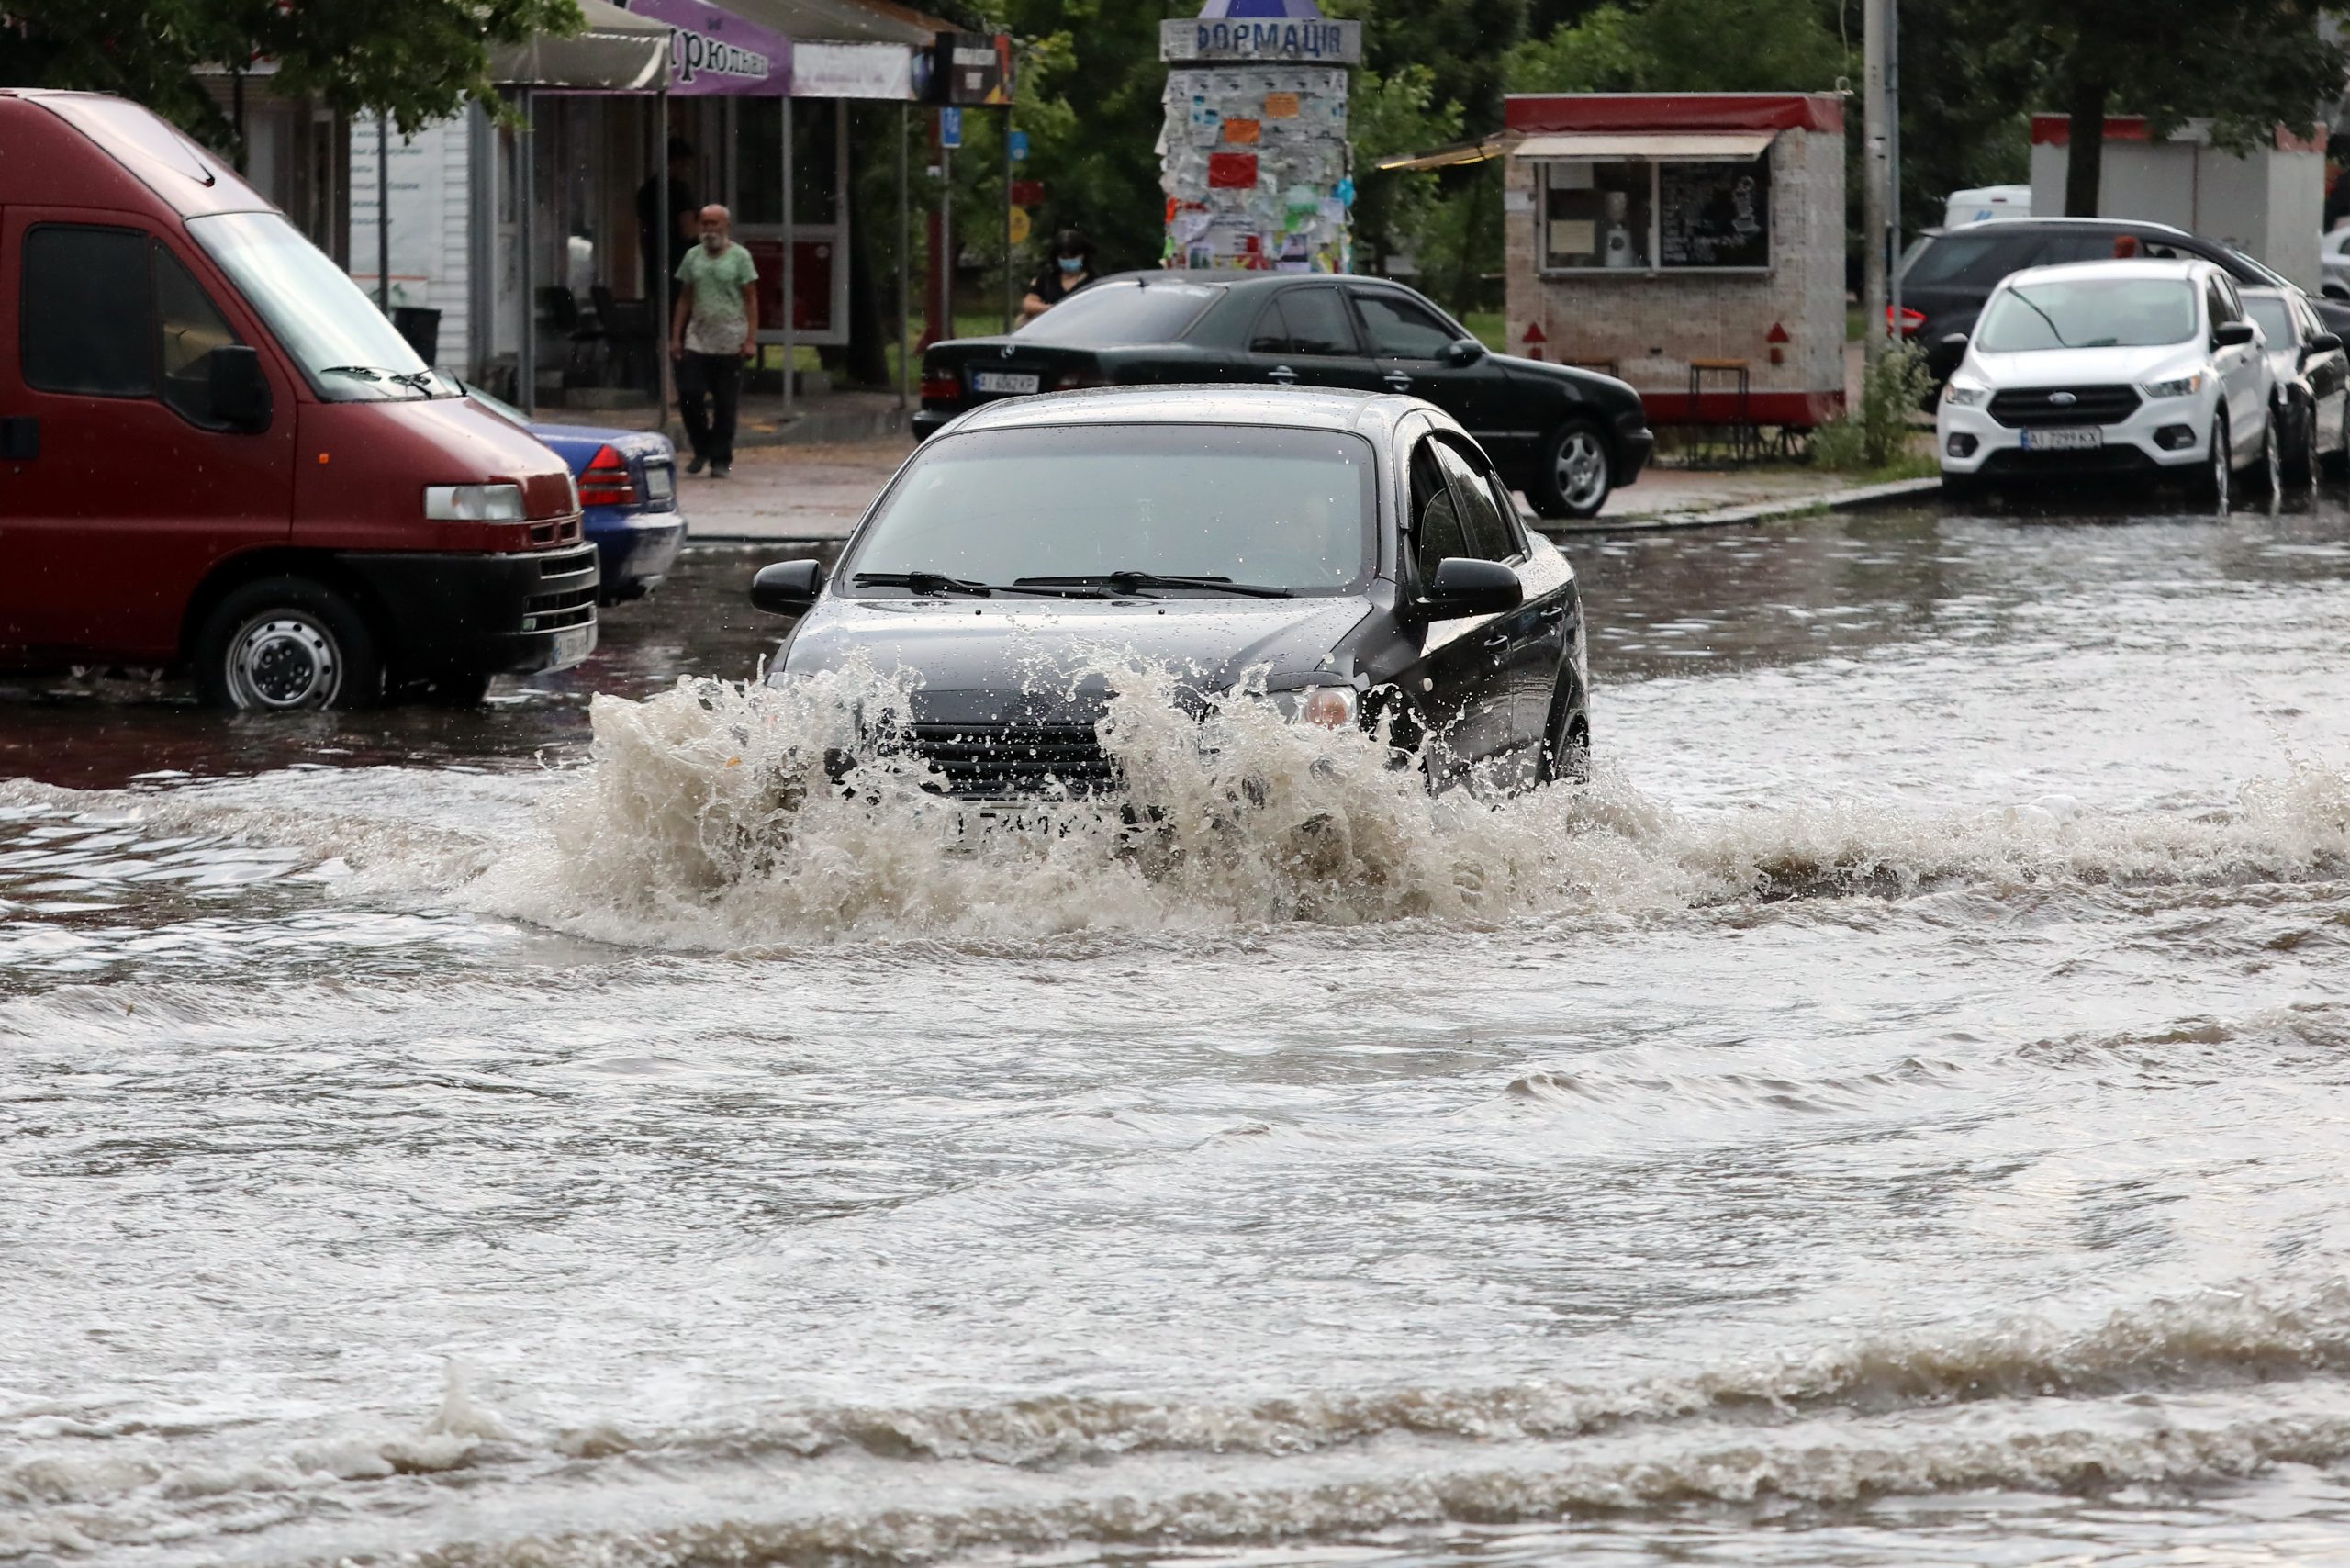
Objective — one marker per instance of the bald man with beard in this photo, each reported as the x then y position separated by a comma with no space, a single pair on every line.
715,329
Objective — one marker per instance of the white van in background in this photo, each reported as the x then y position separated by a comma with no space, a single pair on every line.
1986,203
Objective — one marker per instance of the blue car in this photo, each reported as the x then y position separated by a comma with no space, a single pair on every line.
627,497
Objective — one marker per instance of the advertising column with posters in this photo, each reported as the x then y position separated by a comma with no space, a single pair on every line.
1253,155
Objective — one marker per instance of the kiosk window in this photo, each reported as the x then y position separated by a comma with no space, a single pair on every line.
1597,215
88,314
1715,215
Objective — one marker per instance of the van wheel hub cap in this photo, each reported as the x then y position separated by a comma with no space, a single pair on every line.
284,661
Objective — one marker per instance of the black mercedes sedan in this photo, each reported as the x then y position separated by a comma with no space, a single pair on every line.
1563,435
1351,556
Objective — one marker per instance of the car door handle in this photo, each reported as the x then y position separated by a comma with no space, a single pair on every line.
1554,612
1282,373
1499,639
19,439
1398,380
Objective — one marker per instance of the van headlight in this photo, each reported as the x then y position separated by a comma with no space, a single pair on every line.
473,503
2178,387
1332,707
1964,394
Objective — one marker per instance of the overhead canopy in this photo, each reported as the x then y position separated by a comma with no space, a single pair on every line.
615,52
1659,144
1446,157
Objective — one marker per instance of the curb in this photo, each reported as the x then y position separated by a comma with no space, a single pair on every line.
1760,511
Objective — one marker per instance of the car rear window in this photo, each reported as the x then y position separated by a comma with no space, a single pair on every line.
1117,311
1972,258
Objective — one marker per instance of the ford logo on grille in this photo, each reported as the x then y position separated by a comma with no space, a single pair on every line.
2062,400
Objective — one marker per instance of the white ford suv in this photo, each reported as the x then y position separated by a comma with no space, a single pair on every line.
2136,367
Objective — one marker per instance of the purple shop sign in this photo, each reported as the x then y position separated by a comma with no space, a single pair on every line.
715,52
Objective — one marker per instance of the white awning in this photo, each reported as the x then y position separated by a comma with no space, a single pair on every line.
614,53
1658,144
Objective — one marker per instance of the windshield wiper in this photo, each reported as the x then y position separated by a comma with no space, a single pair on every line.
922,582
363,372
1127,581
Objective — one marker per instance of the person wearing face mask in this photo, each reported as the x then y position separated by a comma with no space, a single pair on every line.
716,328
1071,269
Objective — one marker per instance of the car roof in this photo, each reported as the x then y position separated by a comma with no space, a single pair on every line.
2143,266
1368,413
2135,225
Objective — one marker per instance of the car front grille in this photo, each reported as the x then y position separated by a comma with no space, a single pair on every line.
2022,405
554,611
991,762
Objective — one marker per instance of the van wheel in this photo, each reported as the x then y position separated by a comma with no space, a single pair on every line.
287,643
1573,479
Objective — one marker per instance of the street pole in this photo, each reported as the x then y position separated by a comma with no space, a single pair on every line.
1007,218
790,347
383,213
905,249
1893,164
526,345
663,263
1874,170
947,239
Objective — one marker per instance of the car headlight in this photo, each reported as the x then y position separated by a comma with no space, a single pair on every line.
1964,394
473,503
2178,387
1332,707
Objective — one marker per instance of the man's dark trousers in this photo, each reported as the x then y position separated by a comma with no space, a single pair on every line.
708,386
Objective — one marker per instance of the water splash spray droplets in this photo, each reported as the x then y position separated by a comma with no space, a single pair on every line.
710,817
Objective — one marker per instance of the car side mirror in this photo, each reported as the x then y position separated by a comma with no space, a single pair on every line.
1463,352
2230,334
2323,343
1463,586
1955,342
239,391
788,587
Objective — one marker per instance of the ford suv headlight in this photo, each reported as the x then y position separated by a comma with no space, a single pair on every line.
1332,707
2177,386
473,503
1964,394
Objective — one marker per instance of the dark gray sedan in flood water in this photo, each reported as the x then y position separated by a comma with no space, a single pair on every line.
1354,556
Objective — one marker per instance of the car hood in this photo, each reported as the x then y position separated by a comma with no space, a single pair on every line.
2083,367
997,660
1592,384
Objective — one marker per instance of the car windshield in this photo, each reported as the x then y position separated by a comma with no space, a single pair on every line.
2087,313
1980,256
1270,507
1120,311
348,351
2273,316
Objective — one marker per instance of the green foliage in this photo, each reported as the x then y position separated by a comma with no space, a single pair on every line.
1684,46
418,60
1875,436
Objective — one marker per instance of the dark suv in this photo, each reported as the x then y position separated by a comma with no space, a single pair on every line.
1947,275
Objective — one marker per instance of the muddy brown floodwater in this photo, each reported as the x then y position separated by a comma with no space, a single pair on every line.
1897,1113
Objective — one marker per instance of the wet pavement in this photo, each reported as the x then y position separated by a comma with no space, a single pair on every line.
1895,1114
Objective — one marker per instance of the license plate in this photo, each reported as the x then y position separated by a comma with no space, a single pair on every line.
1011,381
660,482
2068,438
572,645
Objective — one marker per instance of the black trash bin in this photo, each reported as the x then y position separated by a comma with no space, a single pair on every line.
421,327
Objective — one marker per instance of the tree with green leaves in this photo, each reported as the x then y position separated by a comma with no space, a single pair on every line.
2247,66
418,60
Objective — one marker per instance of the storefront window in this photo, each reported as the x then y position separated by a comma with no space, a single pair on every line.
1638,214
1596,215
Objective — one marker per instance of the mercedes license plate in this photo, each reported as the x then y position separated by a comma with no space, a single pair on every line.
660,482
572,645
2064,438
1004,381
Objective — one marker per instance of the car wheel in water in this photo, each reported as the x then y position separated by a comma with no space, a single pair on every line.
2337,461
1566,753
1573,480
2299,459
2210,486
2267,470
284,644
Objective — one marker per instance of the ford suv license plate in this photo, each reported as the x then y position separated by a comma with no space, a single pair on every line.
1004,381
2064,438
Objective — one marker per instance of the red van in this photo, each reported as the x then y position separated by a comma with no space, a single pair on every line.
216,455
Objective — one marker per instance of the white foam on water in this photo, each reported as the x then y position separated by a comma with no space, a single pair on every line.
706,818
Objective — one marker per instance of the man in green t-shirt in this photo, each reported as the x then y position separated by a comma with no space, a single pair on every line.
716,328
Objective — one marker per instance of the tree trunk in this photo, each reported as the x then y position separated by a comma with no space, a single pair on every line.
2085,150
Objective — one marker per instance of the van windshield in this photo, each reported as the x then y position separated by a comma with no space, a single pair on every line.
346,349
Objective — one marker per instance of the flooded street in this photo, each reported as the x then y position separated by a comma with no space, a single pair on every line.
1897,1114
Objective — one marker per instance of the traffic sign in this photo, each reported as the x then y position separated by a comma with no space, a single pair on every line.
950,126
1020,147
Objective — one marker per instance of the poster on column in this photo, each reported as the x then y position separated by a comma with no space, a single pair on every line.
421,245
717,53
